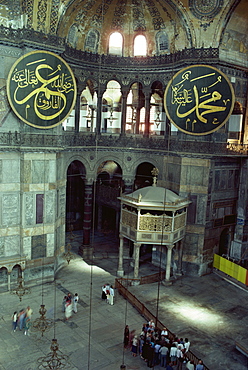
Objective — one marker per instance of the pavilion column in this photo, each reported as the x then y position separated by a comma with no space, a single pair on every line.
136,260
120,271
168,262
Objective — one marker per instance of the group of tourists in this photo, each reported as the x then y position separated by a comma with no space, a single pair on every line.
108,294
69,305
22,320
156,348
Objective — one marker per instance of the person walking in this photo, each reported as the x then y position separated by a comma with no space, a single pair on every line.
126,336
21,317
68,309
135,343
14,321
199,366
27,325
63,303
75,302
28,312
163,355
104,297
111,296
107,292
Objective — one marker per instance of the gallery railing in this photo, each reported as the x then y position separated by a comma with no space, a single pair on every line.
118,142
121,284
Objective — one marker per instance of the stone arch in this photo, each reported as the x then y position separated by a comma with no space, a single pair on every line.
3,279
92,41
162,43
16,273
108,188
75,186
224,242
143,176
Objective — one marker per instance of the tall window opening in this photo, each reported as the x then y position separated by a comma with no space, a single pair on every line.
115,44
140,46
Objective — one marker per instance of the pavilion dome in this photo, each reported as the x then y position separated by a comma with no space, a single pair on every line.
155,197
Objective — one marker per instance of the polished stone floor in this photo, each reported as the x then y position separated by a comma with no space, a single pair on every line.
211,311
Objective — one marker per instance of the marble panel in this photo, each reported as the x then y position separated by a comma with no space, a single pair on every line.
50,245
29,208
27,173
49,206
10,171
2,246
52,171
12,245
38,246
201,209
40,172
27,247
1,171
10,209
62,202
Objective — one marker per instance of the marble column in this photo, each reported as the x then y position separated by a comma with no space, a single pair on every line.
123,111
147,112
120,271
77,111
9,274
99,111
136,260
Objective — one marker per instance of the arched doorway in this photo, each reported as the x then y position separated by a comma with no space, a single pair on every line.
75,196
108,188
224,243
3,279
143,176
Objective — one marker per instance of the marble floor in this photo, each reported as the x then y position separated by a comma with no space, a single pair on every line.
211,311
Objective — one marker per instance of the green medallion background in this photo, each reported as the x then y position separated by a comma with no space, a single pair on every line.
41,89
199,99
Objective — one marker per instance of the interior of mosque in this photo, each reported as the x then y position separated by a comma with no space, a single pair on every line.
67,169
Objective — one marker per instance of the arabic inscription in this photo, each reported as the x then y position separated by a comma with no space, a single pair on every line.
199,99
41,89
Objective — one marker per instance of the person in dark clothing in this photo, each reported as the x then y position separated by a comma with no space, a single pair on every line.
150,356
145,351
126,336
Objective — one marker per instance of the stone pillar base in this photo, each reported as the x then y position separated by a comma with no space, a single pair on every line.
166,282
135,282
120,273
86,252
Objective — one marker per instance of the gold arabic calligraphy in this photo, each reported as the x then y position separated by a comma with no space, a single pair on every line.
48,93
201,100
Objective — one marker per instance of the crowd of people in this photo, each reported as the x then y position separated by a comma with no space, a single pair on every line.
156,347
22,320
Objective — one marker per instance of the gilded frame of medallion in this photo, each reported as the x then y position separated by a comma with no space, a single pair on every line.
41,91
186,107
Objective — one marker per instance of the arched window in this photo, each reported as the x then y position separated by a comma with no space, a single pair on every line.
91,42
140,46
115,44
162,42
72,35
